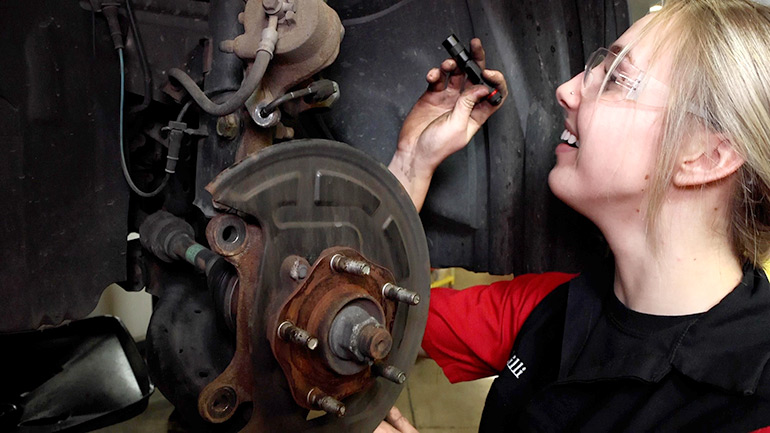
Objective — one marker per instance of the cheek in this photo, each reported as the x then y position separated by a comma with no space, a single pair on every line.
616,158
620,137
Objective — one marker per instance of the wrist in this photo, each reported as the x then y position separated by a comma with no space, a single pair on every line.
412,165
413,176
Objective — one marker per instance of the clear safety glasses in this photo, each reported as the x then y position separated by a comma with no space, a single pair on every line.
625,82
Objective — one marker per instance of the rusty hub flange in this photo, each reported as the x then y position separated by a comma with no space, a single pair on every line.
241,244
313,307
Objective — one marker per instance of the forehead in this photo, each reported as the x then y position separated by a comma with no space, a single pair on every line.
643,49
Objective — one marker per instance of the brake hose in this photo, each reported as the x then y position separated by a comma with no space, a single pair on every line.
248,86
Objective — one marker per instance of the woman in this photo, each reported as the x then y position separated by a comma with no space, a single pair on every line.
666,149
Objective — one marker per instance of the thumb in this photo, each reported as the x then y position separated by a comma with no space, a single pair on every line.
469,98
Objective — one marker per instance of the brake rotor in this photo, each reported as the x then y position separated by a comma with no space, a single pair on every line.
312,199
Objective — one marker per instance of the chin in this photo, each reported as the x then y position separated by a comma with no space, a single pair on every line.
562,185
556,183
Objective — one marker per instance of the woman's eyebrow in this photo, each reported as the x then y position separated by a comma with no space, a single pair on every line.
617,49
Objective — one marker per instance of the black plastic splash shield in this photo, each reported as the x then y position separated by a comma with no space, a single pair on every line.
77,377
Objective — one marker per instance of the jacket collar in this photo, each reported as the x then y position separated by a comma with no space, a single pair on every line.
727,346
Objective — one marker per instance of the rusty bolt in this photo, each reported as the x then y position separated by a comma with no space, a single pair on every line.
283,132
227,46
222,403
374,341
229,126
288,18
400,294
298,270
293,334
326,403
341,263
389,372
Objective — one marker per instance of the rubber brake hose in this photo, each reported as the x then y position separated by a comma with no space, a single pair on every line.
248,86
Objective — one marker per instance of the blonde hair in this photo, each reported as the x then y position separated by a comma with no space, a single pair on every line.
720,81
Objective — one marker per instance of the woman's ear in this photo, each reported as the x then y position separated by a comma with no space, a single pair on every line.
714,160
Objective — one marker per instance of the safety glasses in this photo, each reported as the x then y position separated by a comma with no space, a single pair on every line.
624,81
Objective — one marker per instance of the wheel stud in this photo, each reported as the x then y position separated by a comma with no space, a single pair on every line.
341,263
326,403
389,372
400,294
293,334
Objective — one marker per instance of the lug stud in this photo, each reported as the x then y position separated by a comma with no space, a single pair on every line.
393,374
293,334
400,294
341,263
326,403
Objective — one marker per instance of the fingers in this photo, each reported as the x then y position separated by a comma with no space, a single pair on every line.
384,427
469,98
436,79
449,76
456,75
398,421
477,52
496,79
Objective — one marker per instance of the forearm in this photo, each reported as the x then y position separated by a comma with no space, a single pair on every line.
413,174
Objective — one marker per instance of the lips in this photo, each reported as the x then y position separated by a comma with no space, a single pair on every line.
570,138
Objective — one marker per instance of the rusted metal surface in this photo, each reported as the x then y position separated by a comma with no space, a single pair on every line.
306,197
313,307
253,139
307,43
241,244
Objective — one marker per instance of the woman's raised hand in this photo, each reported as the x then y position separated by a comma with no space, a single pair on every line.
443,121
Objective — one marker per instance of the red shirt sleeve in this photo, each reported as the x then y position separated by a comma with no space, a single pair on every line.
470,333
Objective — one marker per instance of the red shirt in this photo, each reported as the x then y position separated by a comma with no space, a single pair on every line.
470,332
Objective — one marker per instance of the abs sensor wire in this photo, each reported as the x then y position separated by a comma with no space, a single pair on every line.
110,10
142,58
123,165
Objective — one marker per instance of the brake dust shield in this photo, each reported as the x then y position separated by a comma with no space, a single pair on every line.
313,199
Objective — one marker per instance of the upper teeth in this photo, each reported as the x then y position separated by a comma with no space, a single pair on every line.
570,138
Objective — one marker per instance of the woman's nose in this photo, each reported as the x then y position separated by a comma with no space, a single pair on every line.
568,94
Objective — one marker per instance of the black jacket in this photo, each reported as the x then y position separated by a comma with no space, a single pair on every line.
712,376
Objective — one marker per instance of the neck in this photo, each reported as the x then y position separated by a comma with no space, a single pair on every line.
687,266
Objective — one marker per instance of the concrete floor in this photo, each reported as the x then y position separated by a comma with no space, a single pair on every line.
434,405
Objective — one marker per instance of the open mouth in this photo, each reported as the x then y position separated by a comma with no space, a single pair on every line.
570,138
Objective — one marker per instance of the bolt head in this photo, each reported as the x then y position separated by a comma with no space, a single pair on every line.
228,127
271,6
298,270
